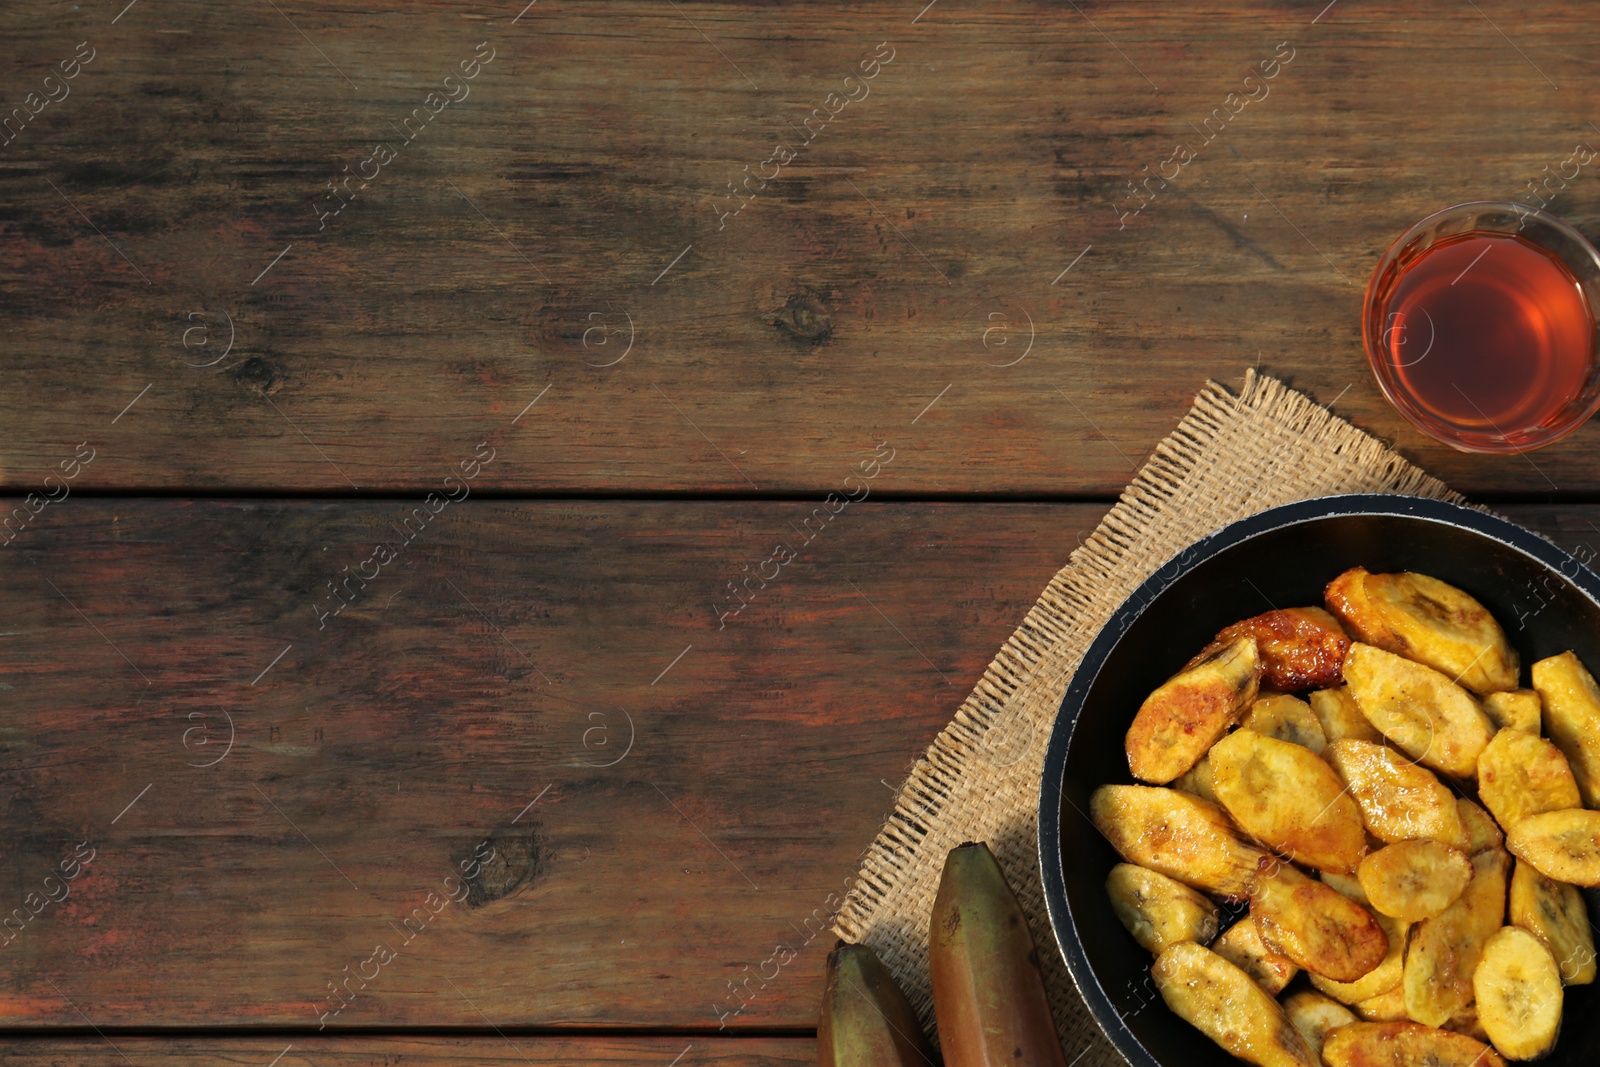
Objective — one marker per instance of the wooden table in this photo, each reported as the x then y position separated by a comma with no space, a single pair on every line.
603,320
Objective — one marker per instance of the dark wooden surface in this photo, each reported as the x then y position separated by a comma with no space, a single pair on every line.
943,275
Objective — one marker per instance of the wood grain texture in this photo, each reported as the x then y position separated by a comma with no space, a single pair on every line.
499,661
502,254
412,1051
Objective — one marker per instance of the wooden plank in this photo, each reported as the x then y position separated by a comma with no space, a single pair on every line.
573,203
485,686
351,1051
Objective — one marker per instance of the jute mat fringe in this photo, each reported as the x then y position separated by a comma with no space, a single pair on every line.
1230,457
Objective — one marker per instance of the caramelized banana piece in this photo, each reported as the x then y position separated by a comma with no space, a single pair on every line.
1398,799
1483,833
1564,845
1383,978
1314,1015
1572,718
1429,621
1178,722
1318,928
1178,835
1287,798
1414,880
1301,648
1521,774
1554,912
1514,709
1341,716
1434,720
1197,780
1159,911
1221,1001
1466,1022
1519,994
1445,950
1383,1008
1242,947
1405,1044
1288,719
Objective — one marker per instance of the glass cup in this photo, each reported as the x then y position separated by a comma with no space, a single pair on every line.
1479,324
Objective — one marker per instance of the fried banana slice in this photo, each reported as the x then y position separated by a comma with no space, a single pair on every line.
1522,774
1572,718
1314,1015
1318,928
1554,912
1466,1022
1222,1002
1197,780
1445,950
1428,621
1348,884
1178,722
1383,1008
1519,994
1287,718
1514,709
1177,834
1414,880
1287,798
1159,911
1434,720
1398,799
1242,947
1564,845
1301,648
1341,716
1381,979
1404,1044
1483,833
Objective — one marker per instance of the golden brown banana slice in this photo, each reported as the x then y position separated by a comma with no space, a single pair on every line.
1564,845
1348,884
1301,648
1483,833
1404,1044
1445,950
1318,928
1571,702
1314,1015
1522,774
1514,709
1433,719
1288,718
1554,912
1222,1002
1197,780
1242,947
1414,880
1178,722
1398,799
1519,994
1381,979
1383,1008
1341,716
1159,911
1179,835
1286,797
1466,1022
1428,621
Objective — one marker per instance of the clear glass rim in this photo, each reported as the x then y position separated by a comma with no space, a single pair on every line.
1402,404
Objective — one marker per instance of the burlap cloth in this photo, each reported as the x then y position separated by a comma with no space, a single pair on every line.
1230,457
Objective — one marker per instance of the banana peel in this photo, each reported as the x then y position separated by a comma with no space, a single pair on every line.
988,992
866,1020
